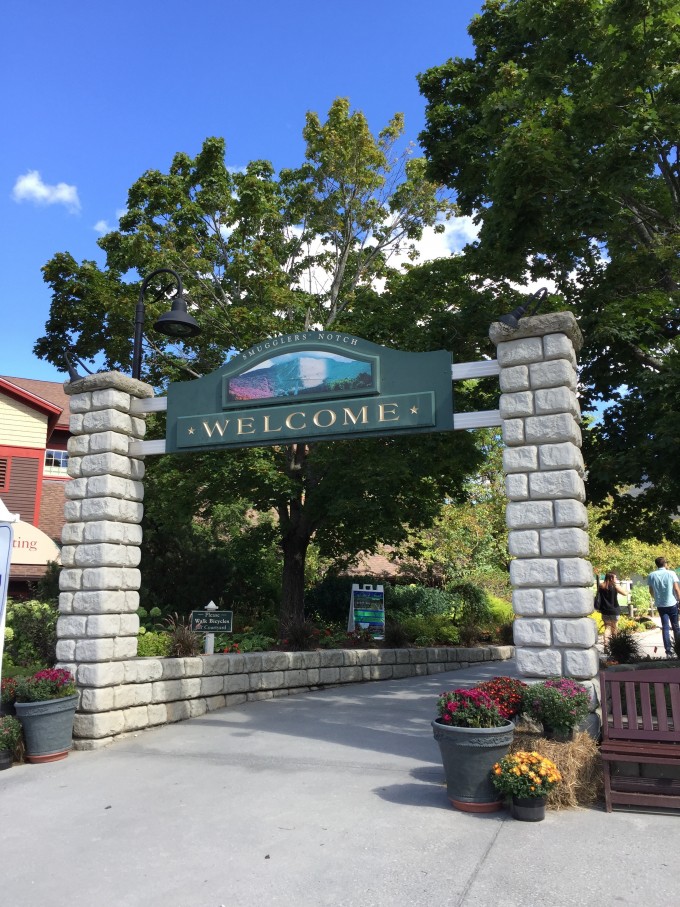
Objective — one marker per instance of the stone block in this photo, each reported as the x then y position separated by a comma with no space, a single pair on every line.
116,509
158,713
331,658
534,572
197,707
554,373
351,674
94,650
75,467
70,580
236,699
75,424
559,483
193,666
99,421
78,445
527,602
275,661
114,487
80,403
313,676
581,664
177,711
402,657
68,556
108,442
106,555
577,633
296,678
555,429
215,702
416,656
236,683
111,578
378,672
564,542
97,700
538,662
517,487
136,718
124,647
66,602
576,572
557,400
329,675
112,532
561,456
401,671
568,602
349,657
524,543
75,490
72,533
259,696
513,431
173,668
436,668
109,602
99,724
73,511
65,650
252,662
519,352
129,624
71,627
529,515
517,405
513,379
143,670
100,675
529,631
236,664
558,346
110,399
132,694
571,513
269,680
137,427
520,459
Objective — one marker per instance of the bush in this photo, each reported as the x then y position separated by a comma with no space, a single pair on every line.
31,632
418,601
559,703
10,733
471,604
641,601
622,647
184,643
154,643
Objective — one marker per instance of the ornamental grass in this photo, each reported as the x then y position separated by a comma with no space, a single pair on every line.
577,760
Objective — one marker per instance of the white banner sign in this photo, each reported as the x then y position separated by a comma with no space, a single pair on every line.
6,539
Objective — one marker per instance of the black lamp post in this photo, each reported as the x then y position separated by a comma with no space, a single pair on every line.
512,320
175,323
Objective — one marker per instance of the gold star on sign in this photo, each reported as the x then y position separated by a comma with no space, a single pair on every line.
414,410
191,430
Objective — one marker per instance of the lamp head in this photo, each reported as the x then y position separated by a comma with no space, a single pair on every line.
511,320
177,322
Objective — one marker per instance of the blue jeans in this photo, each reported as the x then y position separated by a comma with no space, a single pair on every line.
669,618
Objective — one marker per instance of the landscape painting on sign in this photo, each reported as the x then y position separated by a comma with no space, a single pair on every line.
301,373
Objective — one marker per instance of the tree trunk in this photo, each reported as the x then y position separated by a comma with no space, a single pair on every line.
292,614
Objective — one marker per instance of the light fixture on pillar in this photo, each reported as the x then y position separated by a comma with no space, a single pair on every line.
176,323
511,321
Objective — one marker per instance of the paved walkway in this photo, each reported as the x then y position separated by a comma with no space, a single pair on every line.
327,798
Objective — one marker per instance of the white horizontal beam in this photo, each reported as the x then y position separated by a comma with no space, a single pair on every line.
139,405
146,448
488,419
462,370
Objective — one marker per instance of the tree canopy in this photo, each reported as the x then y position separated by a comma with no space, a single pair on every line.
263,254
560,136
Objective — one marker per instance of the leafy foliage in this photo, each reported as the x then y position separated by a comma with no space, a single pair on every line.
559,703
560,137
51,683
525,774
468,708
31,632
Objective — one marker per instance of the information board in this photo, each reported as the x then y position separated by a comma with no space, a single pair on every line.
367,610
212,621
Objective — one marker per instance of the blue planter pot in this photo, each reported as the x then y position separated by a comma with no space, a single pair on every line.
48,727
468,755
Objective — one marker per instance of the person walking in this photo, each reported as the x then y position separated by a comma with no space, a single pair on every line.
665,592
609,591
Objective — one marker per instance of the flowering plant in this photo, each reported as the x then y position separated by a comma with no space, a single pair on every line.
10,733
524,774
506,692
52,683
468,708
558,703
8,690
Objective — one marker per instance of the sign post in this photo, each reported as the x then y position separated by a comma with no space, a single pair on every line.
6,541
211,621
367,610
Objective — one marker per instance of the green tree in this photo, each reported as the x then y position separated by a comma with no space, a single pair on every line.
261,255
560,135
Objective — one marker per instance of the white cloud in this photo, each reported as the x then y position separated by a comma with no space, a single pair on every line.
31,188
101,227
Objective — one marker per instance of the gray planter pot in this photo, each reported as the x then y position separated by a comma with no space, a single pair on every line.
468,755
48,727
6,759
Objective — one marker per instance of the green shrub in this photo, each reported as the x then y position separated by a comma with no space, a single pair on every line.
154,643
420,601
471,604
641,601
31,633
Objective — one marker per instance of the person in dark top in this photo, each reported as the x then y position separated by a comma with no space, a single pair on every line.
609,591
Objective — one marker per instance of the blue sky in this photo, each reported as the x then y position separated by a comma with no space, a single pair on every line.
97,93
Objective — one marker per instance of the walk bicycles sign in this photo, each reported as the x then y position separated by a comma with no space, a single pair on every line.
311,386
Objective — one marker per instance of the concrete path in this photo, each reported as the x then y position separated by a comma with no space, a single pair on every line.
327,798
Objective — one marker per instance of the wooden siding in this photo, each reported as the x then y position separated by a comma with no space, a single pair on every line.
22,495
21,425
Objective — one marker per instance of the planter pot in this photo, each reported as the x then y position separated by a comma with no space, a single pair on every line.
468,755
48,727
6,759
560,735
528,809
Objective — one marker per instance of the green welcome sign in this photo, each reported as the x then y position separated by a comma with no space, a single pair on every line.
311,386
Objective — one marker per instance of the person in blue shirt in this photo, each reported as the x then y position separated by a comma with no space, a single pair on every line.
665,591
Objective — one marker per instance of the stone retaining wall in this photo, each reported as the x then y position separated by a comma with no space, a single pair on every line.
130,695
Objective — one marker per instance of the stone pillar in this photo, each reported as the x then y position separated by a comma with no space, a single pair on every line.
99,583
550,574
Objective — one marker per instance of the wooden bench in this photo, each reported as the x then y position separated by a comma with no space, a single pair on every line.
640,724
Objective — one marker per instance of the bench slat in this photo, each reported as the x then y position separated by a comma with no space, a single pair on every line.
661,710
